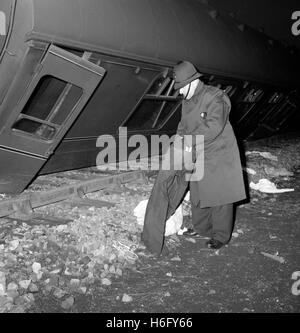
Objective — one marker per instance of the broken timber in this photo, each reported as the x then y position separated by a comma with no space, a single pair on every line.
26,203
84,202
37,219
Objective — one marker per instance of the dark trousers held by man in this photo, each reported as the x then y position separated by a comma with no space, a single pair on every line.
167,194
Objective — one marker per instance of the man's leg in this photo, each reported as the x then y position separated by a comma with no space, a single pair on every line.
201,219
167,194
222,221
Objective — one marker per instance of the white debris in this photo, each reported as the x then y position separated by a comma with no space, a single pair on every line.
112,269
119,272
177,258
181,231
187,196
250,171
29,298
56,271
192,240
296,275
36,267
59,293
263,154
273,237
278,172
106,281
24,284
12,286
237,233
83,289
173,224
266,186
126,298
274,257
61,228
75,283
139,212
67,272
2,283
112,257
186,205
13,245
33,288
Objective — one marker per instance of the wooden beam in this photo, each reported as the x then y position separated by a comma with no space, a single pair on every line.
43,198
85,202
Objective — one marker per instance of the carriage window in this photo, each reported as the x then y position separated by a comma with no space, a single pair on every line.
247,107
51,102
157,106
230,90
147,115
253,96
66,104
275,98
158,86
44,97
42,131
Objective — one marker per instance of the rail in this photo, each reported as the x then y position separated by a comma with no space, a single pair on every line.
24,204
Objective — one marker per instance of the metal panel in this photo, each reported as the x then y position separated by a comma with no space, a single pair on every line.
17,170
62,65
164,31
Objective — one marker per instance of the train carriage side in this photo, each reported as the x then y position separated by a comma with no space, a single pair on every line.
242,63
71,72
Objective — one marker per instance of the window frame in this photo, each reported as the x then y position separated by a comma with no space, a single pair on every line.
167,83
277,96
251,95
52,113
63,65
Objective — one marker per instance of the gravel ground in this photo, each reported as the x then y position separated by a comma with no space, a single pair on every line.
89,264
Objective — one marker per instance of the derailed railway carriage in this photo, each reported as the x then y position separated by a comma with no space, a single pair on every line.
71,71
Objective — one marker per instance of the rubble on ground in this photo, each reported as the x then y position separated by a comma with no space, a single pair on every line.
275,161
265,186
62,261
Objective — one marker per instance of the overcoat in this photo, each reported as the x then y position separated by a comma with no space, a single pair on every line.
207,114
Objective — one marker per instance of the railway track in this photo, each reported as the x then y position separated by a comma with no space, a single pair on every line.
77,227
73,192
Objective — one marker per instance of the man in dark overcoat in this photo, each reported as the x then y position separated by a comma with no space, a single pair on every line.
205,111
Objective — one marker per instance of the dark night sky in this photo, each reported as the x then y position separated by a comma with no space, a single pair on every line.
273,15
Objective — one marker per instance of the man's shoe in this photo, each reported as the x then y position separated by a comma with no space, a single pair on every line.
214,244
193,233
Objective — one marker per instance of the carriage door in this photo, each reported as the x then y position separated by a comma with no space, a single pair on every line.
53,100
